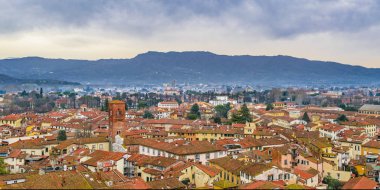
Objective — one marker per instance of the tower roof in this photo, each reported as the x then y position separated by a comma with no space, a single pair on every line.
117,102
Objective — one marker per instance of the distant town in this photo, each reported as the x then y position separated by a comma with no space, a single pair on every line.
181,136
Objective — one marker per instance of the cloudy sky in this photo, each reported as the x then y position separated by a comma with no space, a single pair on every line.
346,31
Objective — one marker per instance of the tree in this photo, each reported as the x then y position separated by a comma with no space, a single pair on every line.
332,183
24,93
148,115
61,135
222,110
217,120
269,107
142,105
342,118
3,167
41,93
192,116
306,118
194,112
242,116
354,171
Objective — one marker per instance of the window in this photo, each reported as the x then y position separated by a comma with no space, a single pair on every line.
93,146
197,157
285,162
208,156
279,176
270,177
100,146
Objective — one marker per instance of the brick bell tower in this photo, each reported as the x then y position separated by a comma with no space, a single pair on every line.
116,117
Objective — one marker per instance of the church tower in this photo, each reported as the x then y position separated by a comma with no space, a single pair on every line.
116,117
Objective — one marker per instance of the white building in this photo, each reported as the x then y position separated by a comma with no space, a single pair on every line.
198,152
168,105
262,172
221,100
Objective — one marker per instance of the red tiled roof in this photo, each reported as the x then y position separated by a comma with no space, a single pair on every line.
360,183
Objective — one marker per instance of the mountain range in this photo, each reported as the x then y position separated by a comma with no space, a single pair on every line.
7,80
193,67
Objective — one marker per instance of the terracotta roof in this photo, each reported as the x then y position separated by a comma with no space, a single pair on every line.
80,141
209,170
100,155
306,174
360,183
232,165
179,148
261,185
372,144
256,169
117,102
168,183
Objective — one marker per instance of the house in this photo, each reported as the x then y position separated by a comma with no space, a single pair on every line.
35,147
331,131
308,177
370,128
168,105
100,160
199,151
69,146
354,143
168,183
221,100
371,147
262,185
360,183
52,180
205,176
230,169
370,109
283,156
14,120
265,172
15,161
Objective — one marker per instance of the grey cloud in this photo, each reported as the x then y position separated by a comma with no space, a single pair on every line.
277,18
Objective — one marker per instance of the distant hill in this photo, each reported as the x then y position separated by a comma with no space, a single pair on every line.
194,67
7,80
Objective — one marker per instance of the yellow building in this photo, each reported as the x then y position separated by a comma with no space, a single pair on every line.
30,130
230,169
251,127
13,120
206,134
331,169
276,113
279,104
371,147
370,128
201,176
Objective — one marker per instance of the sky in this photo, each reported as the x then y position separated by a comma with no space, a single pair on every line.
346,31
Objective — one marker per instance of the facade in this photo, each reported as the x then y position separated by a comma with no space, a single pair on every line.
221,100
116,117
370,109
168,105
